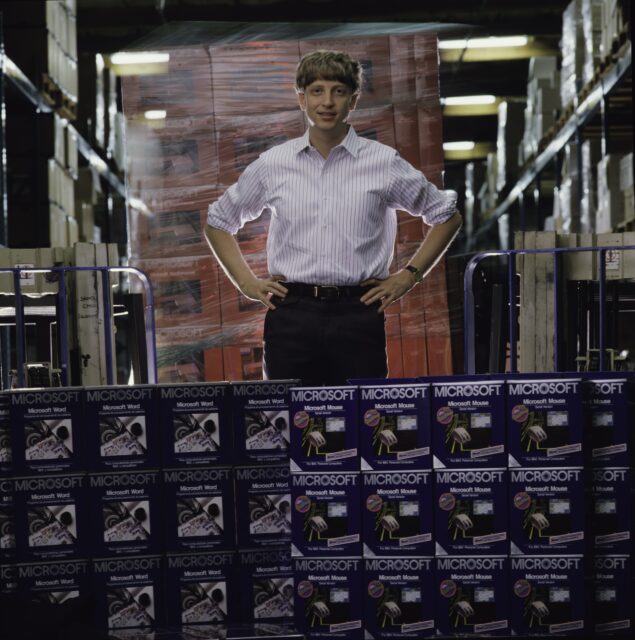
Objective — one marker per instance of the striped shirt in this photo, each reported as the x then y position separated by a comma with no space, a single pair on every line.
333,220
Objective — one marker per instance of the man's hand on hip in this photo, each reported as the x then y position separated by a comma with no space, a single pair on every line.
260,289
388,290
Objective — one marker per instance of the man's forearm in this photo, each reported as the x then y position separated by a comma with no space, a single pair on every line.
435,244
225,247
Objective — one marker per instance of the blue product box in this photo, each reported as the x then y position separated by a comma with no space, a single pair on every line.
324,432
263,506
394,425
6,451
121,426
50,517
609,406
328,597
7,519
46,430
266,584
470,514
54,582
547,595
261,425
611,510
472,595
195,424
129,592
326,518
397,513
399,597
468,423
198,506
127,512
612,608
546,511
201,588
545,422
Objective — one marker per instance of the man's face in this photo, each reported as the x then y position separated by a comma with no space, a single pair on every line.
327,104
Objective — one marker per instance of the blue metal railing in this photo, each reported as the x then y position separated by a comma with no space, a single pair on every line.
469,315
63,317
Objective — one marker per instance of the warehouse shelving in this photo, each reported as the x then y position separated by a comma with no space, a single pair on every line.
592,100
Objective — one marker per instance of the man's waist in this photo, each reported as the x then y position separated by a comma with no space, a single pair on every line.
325,291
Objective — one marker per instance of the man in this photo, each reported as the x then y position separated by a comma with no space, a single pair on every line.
332,197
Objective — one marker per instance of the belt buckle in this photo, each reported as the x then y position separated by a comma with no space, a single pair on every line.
326,291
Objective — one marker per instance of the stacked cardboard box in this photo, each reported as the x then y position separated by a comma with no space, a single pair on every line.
572,50
181,164
511,118
592,29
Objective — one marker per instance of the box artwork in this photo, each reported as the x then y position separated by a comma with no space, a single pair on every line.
611,510
612,609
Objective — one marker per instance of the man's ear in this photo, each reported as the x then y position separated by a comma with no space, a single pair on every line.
302,101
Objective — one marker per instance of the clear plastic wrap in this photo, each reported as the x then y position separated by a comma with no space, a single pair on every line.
226,98
572,50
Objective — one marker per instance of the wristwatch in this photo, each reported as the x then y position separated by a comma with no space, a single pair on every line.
417,273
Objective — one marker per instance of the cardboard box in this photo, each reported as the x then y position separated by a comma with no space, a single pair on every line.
195,424
397,513
426,48
394,425
468,422
472,595
471,514
180,152
184,88
325,517
126,513
611,510
243,362
546,511
242,139
186,290
260,414
398,600
201,588
46,430
431,143
6,449
402,68
51,519
128,592
547,595
121,427
373,52
612,609
328,597
545,423
266,580
324,436
198,509
54,583
254,77
376,123
7,519
263,506
609,410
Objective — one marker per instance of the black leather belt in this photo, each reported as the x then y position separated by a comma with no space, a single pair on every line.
325,291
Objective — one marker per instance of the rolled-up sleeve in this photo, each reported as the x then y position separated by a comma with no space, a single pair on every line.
410,191
242,202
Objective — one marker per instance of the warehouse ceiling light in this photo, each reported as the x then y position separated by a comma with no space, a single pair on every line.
155,114
468,100
139,57
485,43
460,145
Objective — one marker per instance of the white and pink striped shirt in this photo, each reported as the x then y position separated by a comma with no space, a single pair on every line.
333,220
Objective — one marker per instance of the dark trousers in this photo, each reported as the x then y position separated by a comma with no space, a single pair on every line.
324,342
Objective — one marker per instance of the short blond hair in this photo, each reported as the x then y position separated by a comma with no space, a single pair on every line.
329,65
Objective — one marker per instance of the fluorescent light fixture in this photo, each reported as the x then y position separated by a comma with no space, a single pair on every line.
139,57
461,145
467,100
155,114
485,43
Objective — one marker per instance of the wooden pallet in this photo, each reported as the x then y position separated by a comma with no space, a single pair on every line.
58,99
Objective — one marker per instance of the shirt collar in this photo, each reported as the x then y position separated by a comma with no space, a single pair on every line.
350,142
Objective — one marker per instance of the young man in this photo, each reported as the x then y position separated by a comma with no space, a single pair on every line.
332,197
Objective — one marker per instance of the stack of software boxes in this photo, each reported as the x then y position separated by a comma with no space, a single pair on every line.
609,417
470,502
325,512
261,429
198,503
396,509
546,505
